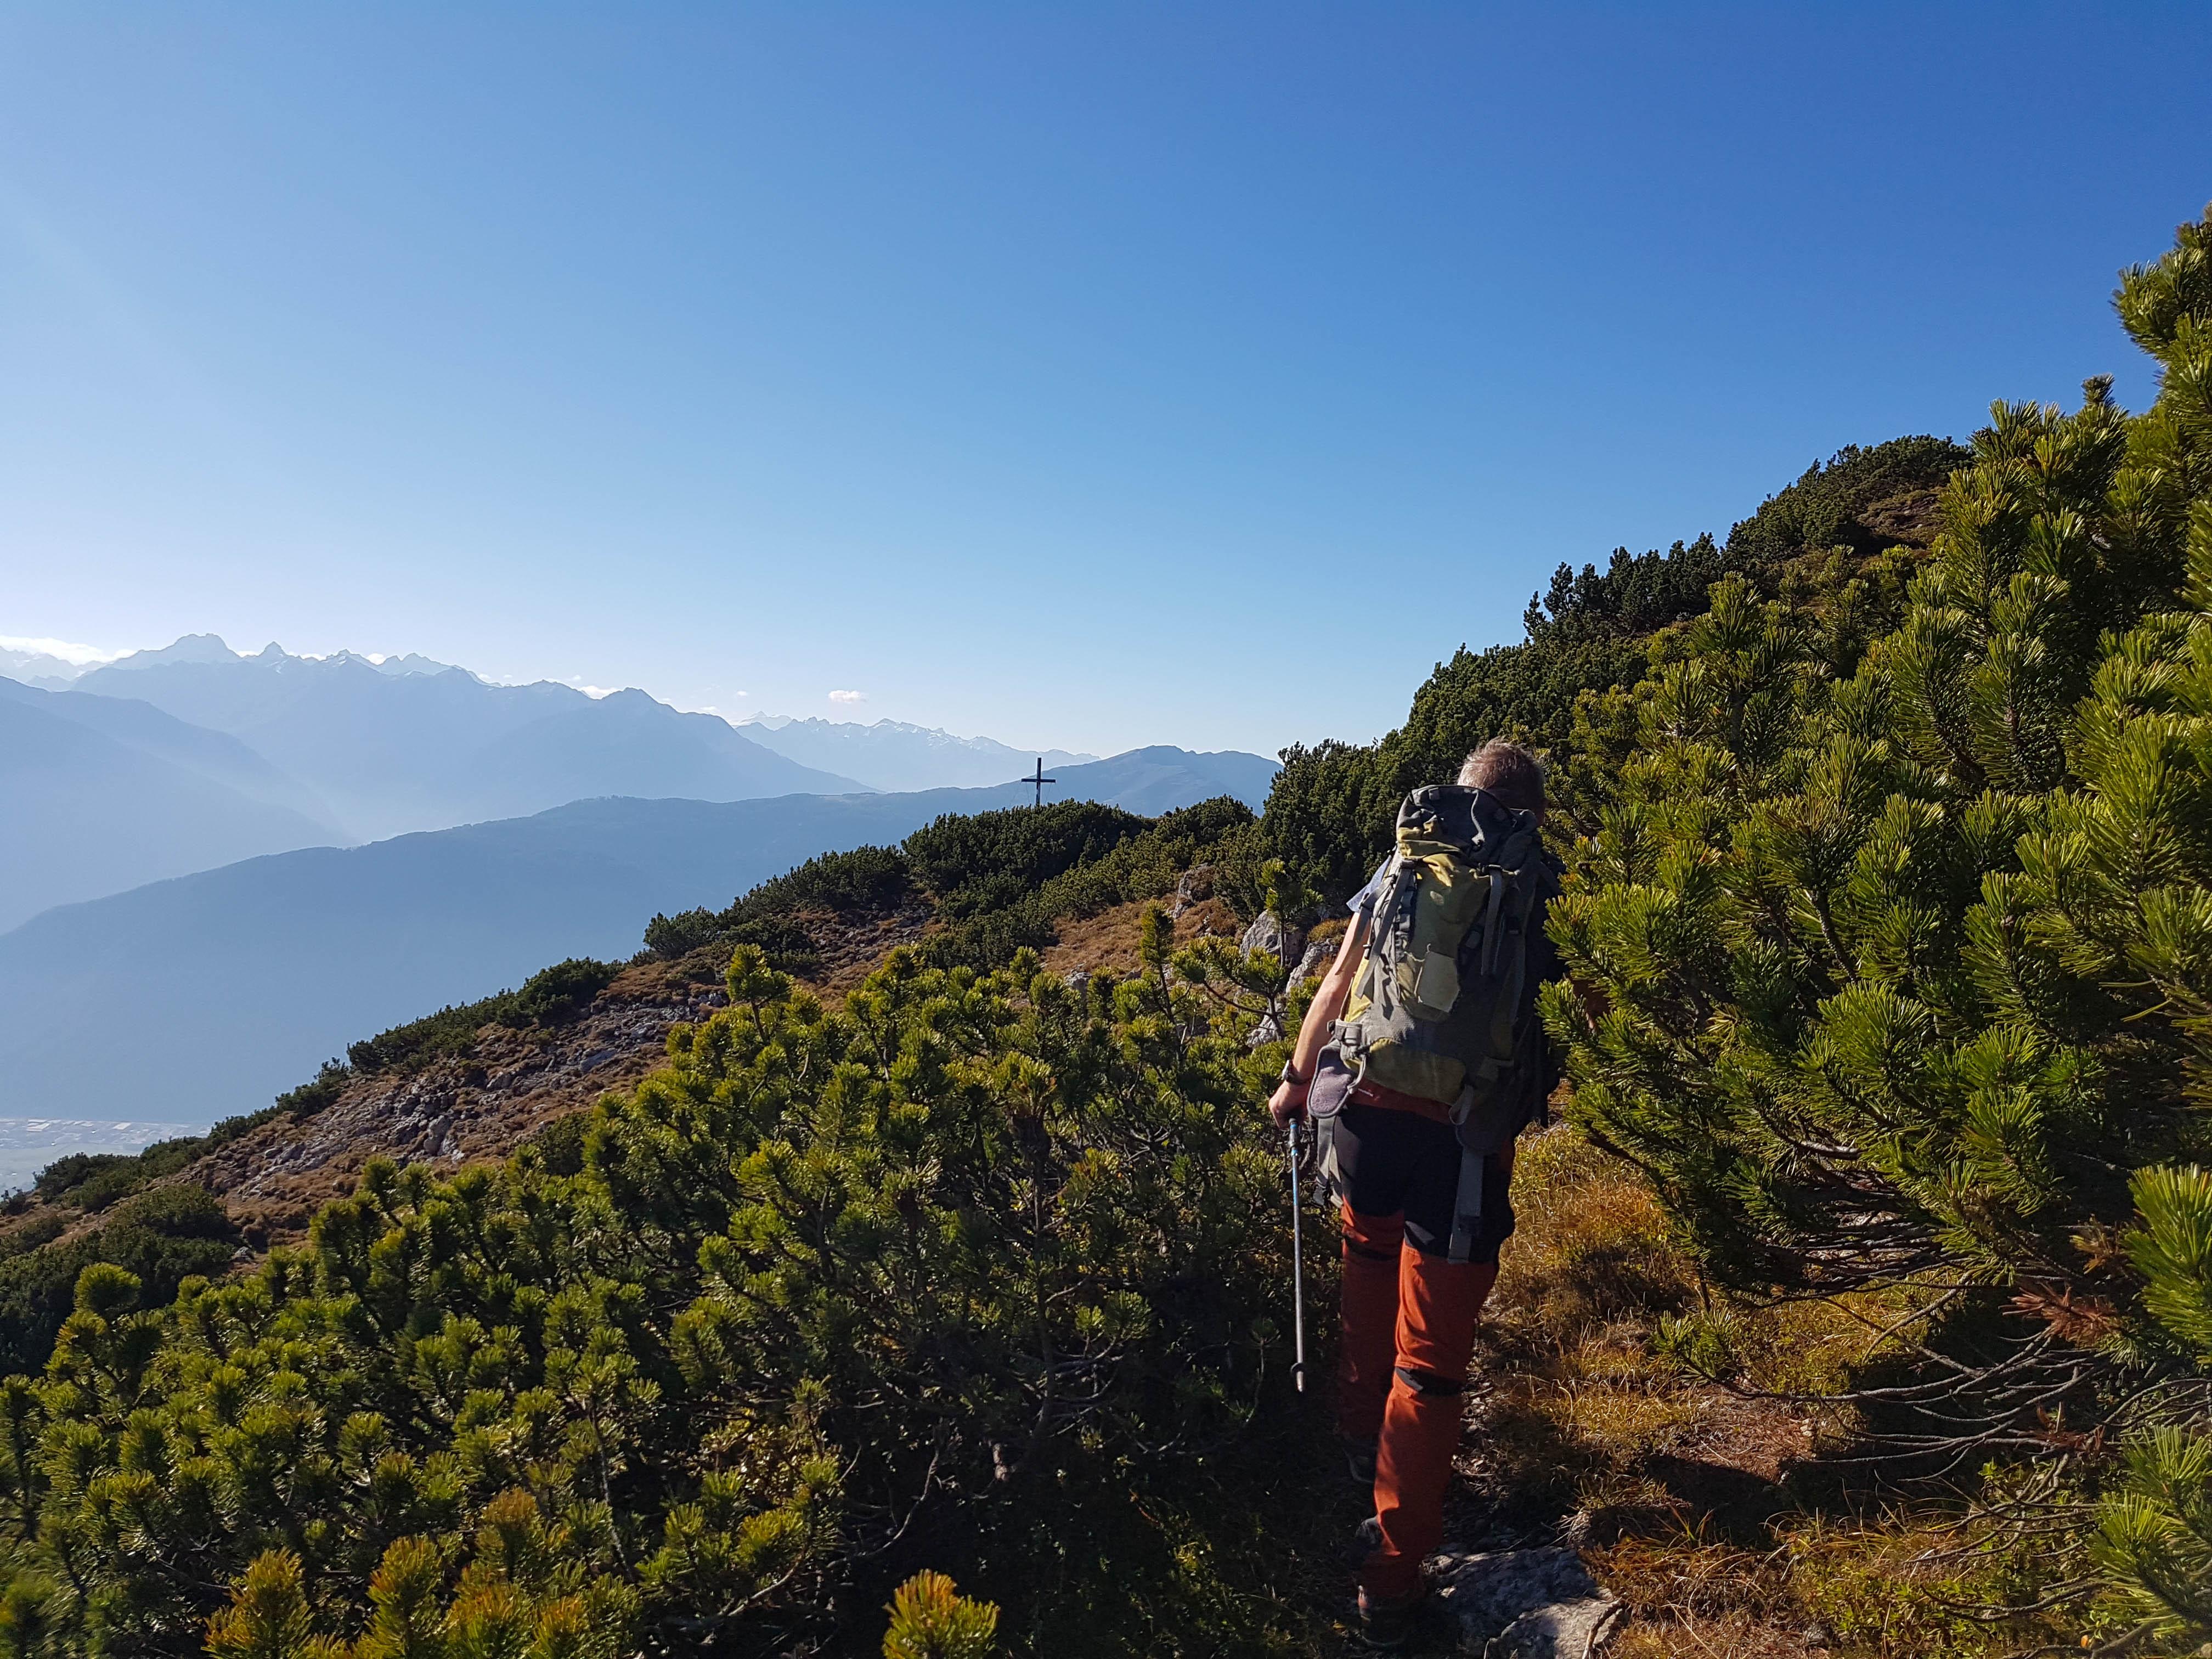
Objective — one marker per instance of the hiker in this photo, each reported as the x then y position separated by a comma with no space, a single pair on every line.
1418,1061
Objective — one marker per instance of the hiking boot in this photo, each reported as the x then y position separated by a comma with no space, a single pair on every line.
1359,1458
1386,1622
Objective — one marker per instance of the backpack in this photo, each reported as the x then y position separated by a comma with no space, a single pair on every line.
1439,1009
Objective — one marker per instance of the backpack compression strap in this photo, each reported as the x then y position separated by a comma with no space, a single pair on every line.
1398,875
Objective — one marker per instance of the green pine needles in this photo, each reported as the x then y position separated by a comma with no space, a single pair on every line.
929,1621
1890,965
985,1248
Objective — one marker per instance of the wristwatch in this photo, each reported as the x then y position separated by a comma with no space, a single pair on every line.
1293,1078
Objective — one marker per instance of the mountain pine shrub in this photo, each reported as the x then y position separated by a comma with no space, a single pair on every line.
1328,817
1889,965
931,1620
1000,881
953,1274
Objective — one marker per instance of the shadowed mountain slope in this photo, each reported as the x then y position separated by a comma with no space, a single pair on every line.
105,795
1159,779
214,754
239,980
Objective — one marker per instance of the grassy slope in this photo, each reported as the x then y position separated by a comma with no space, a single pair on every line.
1708,1510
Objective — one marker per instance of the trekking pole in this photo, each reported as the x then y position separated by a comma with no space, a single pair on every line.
1297,1269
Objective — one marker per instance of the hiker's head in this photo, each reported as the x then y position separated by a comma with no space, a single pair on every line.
1507,771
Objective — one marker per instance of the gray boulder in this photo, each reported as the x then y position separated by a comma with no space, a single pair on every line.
1523,1604
1195,886
1315,962
1267,933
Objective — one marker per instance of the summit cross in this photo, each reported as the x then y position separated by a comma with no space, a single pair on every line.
1038,779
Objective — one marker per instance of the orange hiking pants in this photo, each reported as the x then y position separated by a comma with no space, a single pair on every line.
1408,1335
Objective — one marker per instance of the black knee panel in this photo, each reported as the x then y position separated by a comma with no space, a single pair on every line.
1429,1382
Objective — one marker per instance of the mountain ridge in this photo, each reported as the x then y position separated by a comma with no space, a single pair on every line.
894,755
241,979
394,753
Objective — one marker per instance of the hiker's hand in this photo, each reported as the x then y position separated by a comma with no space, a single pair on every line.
1288,1102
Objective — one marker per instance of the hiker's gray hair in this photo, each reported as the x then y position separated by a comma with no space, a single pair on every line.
1509,771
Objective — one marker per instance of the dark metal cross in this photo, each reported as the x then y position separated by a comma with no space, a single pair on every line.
1040,779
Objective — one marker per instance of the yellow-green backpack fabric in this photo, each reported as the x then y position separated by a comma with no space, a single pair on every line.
1441,1008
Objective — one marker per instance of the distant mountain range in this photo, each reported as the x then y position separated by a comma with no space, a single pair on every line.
393,749
195,756
41,670
890,755
188,905
104,794
399,743
199,998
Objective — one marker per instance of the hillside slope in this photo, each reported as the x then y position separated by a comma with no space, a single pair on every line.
1157,780
239,981
212,755
242,980
624,743
511,1084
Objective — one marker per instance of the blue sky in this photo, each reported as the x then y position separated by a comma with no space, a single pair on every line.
1089,375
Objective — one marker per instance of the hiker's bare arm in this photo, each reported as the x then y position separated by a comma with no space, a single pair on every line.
1328,1001
1289,1098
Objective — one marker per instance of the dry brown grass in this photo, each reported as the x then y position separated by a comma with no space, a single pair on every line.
1811,1588
1108,941
1591,1250
1679,1487
1726,1636
1577,1417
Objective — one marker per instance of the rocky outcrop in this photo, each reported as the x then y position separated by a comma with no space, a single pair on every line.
1195,887
1269,1030
480,1106
1319,953
1306,957
1911,519
1523,1604
1266,932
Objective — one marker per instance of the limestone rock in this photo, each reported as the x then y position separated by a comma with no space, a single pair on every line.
1315,962
1267,933
1523,1604
1196,887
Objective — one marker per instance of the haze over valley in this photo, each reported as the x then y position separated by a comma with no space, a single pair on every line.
267,856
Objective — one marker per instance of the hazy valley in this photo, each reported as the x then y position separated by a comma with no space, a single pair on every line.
265,855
